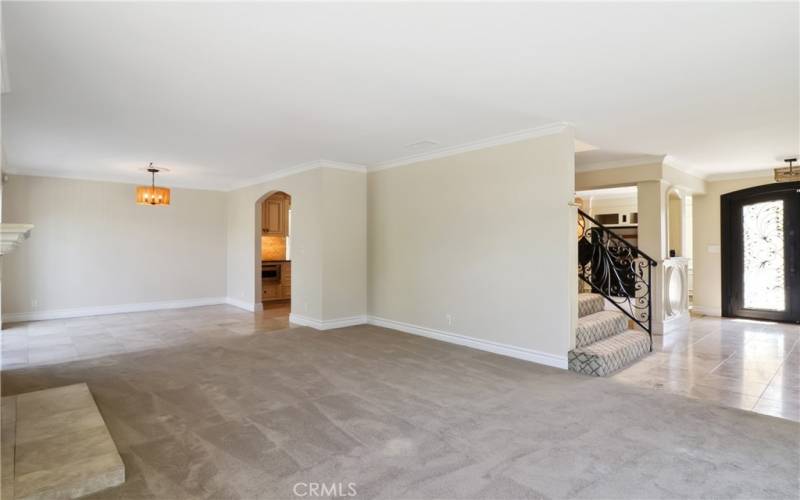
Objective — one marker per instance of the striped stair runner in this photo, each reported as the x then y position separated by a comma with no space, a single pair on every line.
603,342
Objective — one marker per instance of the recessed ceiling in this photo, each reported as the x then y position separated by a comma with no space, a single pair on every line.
224,92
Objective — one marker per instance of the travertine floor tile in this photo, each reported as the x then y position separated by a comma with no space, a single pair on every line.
63,448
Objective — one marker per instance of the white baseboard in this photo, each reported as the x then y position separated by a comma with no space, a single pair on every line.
241,304
113,309
707,311
542,358
328,324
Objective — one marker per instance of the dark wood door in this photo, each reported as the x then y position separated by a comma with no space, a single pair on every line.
761,252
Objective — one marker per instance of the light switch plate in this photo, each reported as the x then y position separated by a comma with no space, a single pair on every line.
713,248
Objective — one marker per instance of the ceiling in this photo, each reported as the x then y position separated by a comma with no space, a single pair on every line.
222,92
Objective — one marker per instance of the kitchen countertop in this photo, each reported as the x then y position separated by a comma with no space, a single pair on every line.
275,261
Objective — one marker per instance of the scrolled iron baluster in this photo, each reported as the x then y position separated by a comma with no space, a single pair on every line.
616,269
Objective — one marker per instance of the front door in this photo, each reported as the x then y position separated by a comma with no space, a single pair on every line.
761,252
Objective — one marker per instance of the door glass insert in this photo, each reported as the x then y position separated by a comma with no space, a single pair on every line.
764,277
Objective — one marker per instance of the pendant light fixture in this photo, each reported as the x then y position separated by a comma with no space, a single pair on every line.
152,194
788,174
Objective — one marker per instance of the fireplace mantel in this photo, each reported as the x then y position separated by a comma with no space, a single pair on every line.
11,235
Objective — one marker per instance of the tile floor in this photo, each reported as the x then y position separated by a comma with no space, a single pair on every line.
235,408
753,365
39,343
739,363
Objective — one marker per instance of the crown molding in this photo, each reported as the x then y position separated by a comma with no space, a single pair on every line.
686,168
132,179
498,140
340,165
296,169
631,162
747,174
223,186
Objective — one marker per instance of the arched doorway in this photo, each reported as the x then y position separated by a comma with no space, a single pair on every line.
273,283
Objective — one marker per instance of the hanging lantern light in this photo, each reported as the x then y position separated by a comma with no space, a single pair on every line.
152,194
788,174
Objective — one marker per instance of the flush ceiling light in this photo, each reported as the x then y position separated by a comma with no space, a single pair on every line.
152,194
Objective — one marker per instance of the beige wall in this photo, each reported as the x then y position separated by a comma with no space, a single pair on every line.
629,176
92,246
651,199
486,238
706,234
344,239
615,177
328,243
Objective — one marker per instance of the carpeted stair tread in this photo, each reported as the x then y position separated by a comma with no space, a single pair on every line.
598,326
610,354
590,303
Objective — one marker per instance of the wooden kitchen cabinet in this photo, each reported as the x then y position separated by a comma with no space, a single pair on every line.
281,290
270,292
275,215
286,280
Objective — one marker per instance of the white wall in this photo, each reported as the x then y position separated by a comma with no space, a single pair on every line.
328,244
486,237
92,246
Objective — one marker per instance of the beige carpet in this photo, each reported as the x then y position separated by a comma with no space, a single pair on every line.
401,416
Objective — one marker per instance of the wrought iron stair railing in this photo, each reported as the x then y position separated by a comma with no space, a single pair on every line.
617,270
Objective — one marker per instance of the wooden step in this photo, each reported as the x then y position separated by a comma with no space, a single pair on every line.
61,446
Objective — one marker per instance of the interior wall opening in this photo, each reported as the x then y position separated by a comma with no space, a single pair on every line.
274,242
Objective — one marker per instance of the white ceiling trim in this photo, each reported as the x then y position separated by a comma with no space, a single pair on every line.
167,182
686,168
581,146
498,140
82,176
748,174
296,169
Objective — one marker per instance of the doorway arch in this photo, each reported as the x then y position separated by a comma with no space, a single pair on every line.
272,239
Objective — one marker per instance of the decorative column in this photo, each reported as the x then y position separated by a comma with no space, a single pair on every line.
676,292
652,203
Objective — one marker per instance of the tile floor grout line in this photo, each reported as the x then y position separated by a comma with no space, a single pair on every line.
783,361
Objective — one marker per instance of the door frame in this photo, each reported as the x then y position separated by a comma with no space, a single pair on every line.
732,271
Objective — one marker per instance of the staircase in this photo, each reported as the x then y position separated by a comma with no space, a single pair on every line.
603,341
619,274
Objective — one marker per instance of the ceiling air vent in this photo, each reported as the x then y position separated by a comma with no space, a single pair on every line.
419,146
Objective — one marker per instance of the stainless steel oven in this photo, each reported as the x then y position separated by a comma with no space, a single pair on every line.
271,271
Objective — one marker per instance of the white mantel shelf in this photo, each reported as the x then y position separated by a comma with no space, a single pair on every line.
12,235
